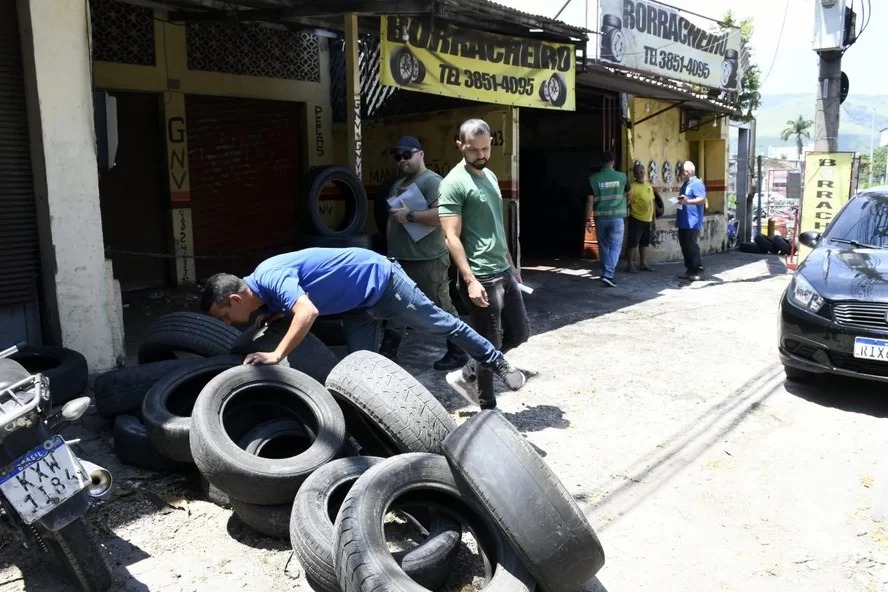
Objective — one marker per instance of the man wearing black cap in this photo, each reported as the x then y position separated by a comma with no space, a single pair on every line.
426,260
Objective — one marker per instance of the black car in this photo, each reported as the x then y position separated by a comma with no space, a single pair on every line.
834,313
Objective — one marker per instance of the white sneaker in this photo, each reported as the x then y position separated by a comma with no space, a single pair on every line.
465,383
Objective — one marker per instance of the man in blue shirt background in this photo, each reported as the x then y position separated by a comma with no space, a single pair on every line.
689,221
365,286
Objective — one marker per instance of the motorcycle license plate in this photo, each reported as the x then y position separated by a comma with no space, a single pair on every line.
42,479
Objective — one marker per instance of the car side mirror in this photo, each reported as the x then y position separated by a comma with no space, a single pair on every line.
810,238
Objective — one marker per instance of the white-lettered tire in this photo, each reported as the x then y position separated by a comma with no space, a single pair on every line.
239,399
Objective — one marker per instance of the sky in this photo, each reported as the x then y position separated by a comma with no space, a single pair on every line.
786,45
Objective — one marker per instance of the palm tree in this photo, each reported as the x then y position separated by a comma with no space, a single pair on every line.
798,128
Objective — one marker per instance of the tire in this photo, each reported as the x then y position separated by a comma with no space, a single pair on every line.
356,208
781,244
360,241
122,391
503,471
611,20
260,437
272,521
362,560
330,331
403,66
748,248
764,244
77,548
190,332
796,374
213,495
613,45
386,409
557,90
241,398
65,368
419,74
133,447
312,530
166,409
311,356
544,91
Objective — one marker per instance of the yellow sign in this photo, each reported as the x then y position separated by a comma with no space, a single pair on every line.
444,59
827,189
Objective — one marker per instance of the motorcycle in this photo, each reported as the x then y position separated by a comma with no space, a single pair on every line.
45,489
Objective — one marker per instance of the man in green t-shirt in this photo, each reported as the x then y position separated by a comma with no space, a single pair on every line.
471,210
607,204
426,260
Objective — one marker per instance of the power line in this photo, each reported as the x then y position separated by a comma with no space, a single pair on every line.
779,39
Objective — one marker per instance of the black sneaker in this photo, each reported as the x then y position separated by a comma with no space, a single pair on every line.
608,282
464,382
391,342
451,361
513,377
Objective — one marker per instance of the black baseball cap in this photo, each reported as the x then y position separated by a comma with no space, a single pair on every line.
408,143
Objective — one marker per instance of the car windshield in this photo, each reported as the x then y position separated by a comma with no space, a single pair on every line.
863,220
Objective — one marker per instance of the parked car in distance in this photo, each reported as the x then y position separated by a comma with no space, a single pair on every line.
834,313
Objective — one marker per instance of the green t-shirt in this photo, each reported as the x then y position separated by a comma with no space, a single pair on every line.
477,199
609,187
432,245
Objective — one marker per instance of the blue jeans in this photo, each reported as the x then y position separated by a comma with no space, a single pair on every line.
610,244
404,303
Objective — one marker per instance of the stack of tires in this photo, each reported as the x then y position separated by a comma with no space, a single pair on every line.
151,403
314,231
776,245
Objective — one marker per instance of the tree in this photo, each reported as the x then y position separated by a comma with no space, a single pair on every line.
798,128
749,98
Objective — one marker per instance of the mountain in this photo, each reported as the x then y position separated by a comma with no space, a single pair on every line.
855,119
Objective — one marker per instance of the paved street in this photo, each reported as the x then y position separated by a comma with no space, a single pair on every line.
664,411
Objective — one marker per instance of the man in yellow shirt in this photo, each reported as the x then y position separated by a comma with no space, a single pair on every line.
643,202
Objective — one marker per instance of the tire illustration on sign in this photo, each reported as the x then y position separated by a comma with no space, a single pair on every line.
730,69
613,40
554,90
406,67
667,174
654,172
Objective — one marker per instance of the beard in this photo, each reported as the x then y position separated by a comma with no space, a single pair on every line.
479,164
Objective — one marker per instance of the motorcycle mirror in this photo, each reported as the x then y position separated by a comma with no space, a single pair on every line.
75,408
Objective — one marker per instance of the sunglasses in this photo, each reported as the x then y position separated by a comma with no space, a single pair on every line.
399,156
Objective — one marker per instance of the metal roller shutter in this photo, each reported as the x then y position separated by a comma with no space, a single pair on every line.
19,249
245,162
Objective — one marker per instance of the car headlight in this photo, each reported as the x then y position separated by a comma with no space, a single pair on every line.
803,295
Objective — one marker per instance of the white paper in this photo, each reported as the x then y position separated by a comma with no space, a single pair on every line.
673,200
412,199
525,288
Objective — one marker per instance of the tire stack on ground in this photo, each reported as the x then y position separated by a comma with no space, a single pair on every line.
323,465
776,245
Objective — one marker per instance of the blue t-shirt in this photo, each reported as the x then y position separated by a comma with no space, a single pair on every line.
691,216
336,280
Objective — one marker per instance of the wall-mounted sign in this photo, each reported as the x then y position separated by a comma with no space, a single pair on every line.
659,39
434,57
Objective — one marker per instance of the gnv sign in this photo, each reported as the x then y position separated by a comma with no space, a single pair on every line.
658,39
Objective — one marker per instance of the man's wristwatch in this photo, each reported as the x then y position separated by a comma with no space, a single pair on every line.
410,217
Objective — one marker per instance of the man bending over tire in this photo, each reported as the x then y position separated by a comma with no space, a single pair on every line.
361,285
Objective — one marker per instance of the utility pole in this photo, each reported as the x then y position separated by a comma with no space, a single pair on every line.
826,116
758,226
872,148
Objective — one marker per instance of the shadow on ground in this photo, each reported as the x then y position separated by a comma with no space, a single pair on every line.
846,394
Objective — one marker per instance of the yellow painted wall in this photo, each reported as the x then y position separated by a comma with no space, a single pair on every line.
437,131
171,77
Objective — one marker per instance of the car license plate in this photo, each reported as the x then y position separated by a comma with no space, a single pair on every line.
42,479
868,348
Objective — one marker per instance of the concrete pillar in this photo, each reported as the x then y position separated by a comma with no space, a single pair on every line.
79,284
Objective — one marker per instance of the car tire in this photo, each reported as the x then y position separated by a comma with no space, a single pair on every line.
503,470
361,556
765,244
65,368
557,90
748,248
239,399
166,409
311,356
312,529
404,66
355,199
781,244
133,447
178,333
122,391
386,409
